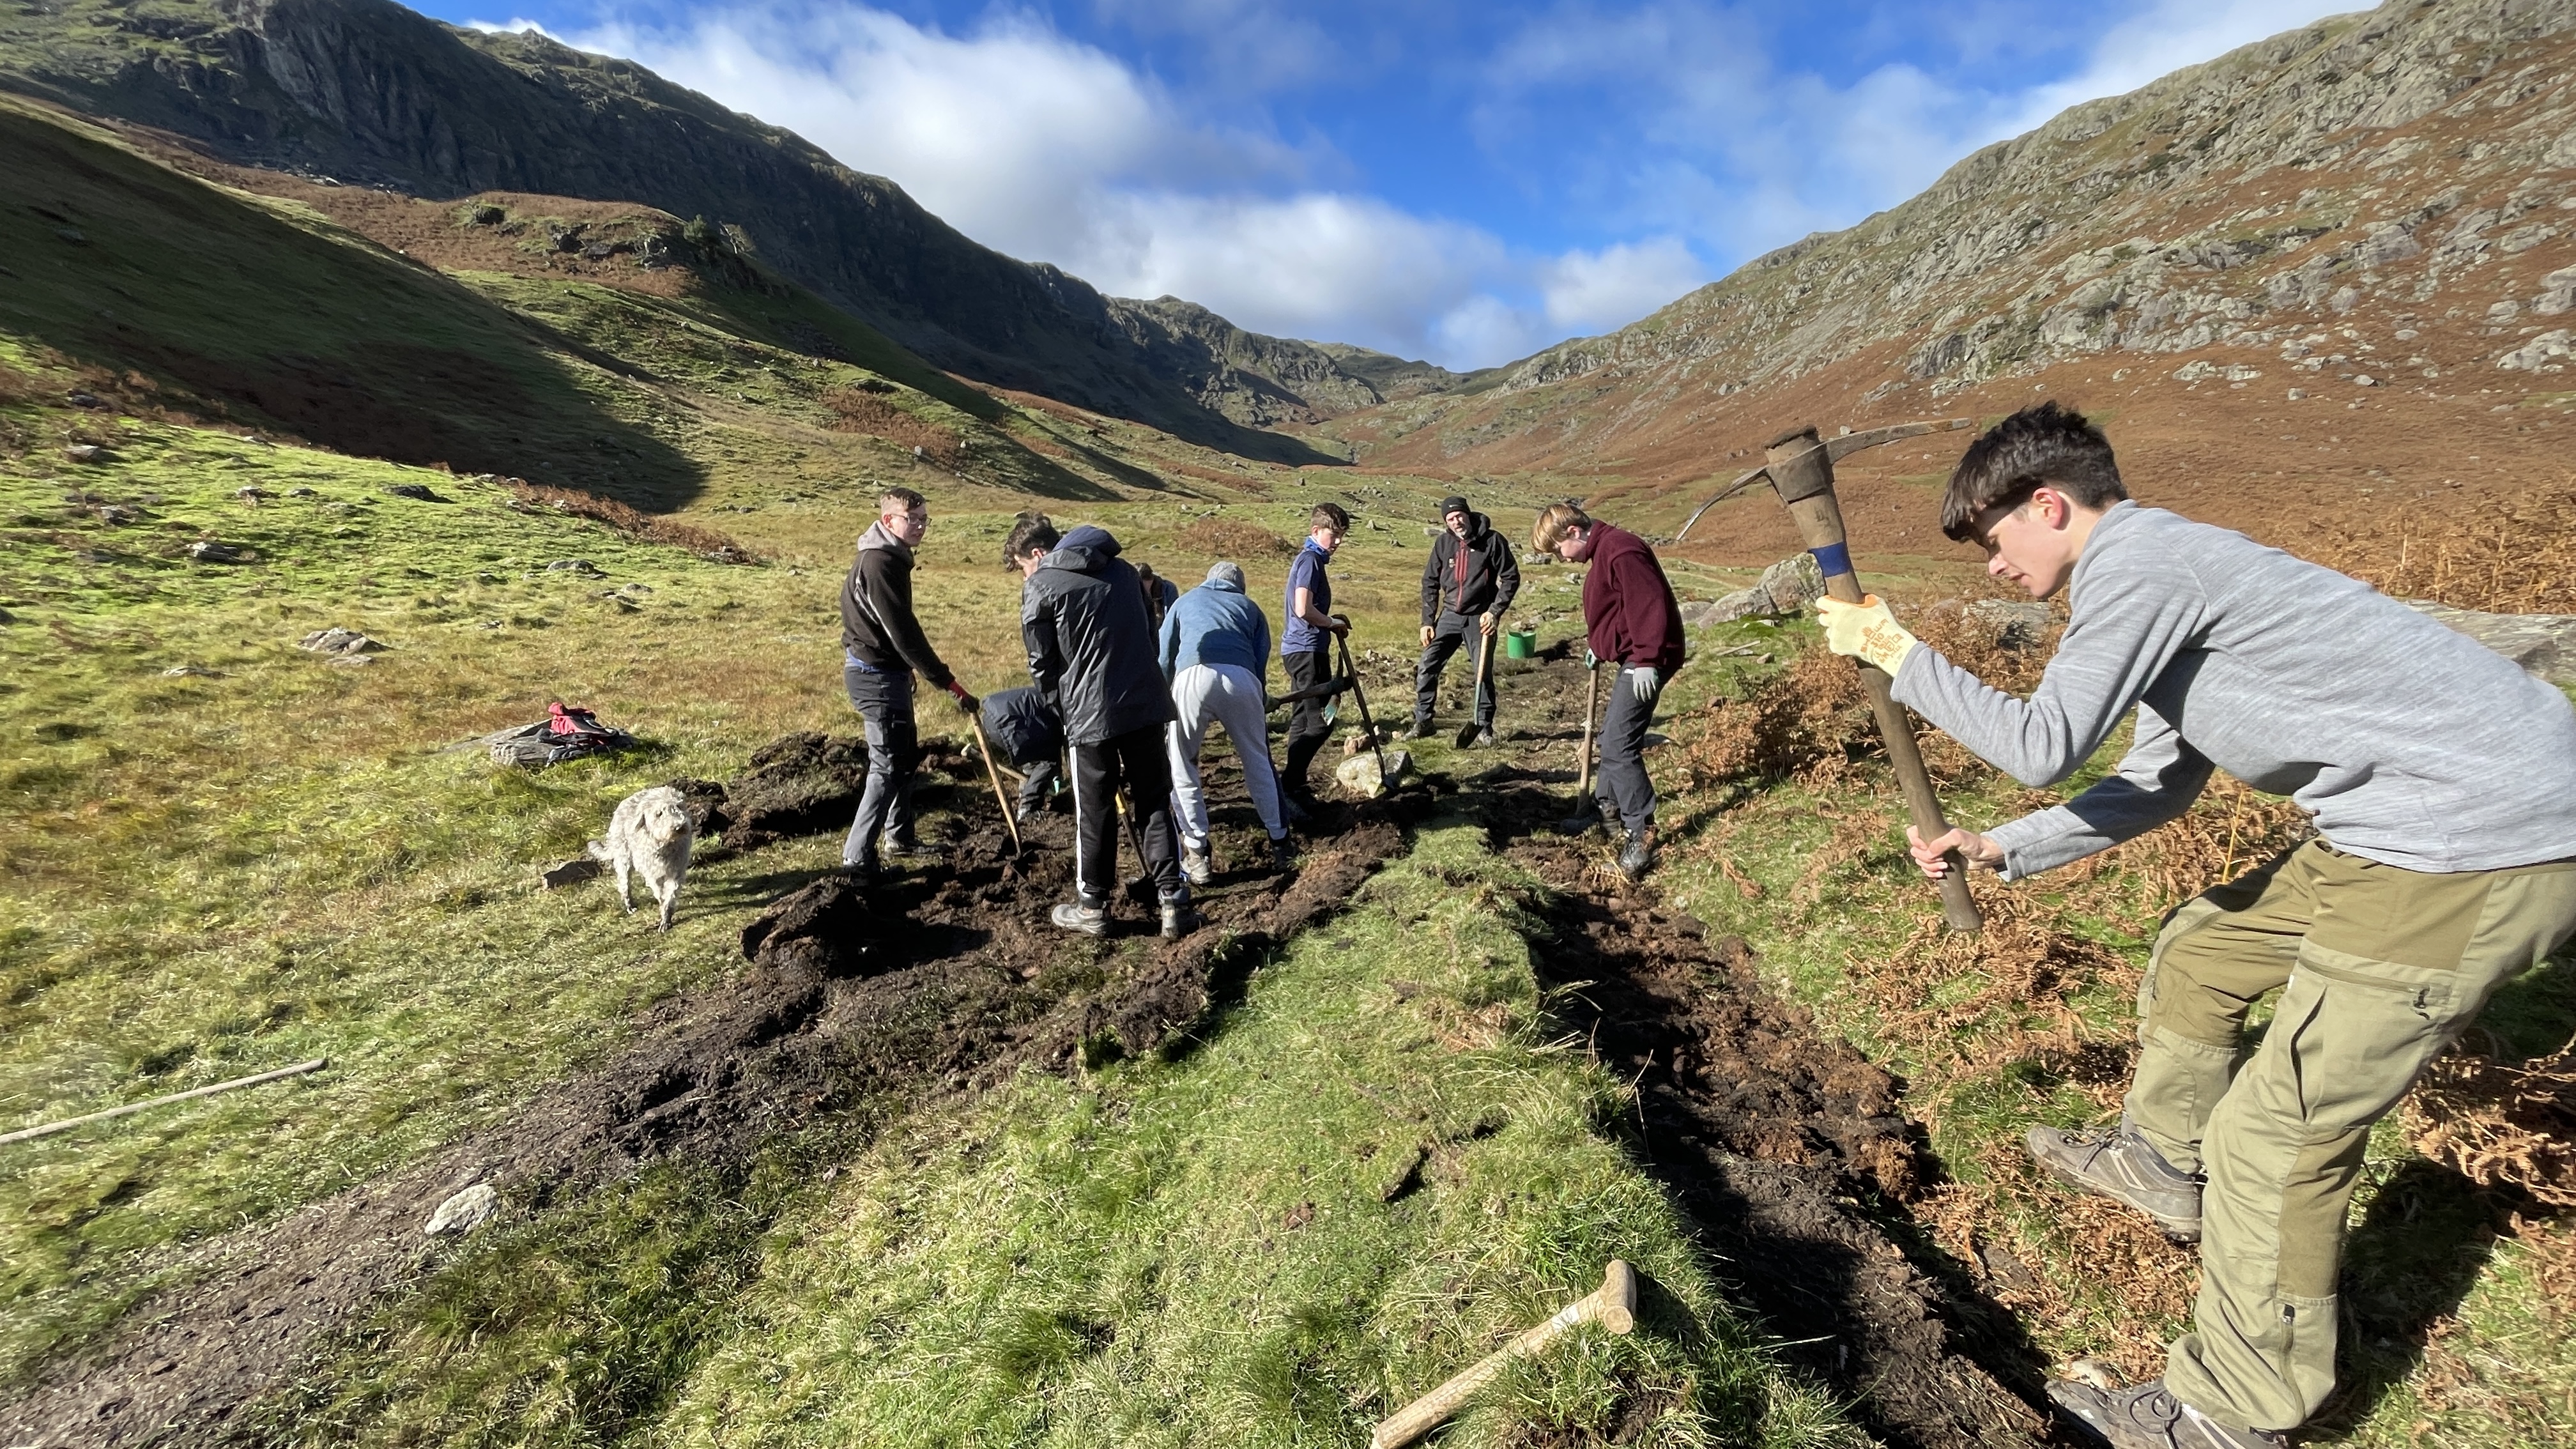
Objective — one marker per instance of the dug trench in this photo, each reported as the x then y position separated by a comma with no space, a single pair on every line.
857,1004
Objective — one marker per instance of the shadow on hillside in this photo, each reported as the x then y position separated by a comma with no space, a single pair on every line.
165,290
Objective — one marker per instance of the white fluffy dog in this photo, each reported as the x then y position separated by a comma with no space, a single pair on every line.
650,835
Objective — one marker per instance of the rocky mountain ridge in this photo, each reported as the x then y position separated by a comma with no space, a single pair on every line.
2375,197
367,92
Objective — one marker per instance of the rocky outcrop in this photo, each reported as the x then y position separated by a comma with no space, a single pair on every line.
366,91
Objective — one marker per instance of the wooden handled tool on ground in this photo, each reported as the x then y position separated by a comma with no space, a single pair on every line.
1591,707
1801,469
1360,697
1613,1305
1484,677
992,772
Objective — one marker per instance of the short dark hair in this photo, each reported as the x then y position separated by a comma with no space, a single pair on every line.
1328,515
905,496
2050,445
1031,530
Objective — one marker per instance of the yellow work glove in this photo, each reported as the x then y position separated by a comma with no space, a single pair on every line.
1866,631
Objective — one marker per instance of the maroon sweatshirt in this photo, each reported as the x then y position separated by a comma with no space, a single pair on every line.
1629,612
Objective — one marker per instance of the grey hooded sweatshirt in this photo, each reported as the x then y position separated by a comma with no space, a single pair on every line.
2410,744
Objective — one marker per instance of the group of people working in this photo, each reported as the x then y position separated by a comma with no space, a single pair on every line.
1129,675
2441,780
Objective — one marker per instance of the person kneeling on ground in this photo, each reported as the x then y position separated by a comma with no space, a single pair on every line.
1467,586
1632,623
1306,648
1091,653
1216,647
2442,780
1025,732
882,648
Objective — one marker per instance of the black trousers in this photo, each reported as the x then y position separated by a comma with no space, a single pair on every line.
894,749
1454,632
1035,776
1307,729
1626,795
1138,765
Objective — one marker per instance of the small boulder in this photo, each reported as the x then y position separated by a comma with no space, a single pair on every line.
581,566
86,453
338,641
116,515
464,1212
420,491
2543,644
2018,623
1361,775
252,495
1793,583
206,550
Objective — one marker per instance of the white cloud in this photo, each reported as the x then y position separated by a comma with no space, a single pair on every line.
1051,150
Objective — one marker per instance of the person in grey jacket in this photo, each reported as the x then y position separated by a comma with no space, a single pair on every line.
882,648
1216,647
2442,780
1091,653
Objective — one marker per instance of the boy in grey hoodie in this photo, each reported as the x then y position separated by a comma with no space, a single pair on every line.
2443,784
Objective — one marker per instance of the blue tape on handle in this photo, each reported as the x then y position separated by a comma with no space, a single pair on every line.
1833,558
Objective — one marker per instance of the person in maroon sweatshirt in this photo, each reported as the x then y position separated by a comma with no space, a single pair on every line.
1634,625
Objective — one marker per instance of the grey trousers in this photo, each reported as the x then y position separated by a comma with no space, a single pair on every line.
1626,795
884,701
1456,633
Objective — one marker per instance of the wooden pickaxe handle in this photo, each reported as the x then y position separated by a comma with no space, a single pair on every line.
1613,1305
1802,469
1591,706
992,772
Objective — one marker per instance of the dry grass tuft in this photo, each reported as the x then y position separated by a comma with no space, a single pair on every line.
860,411
1233,538
706,543
1793,722
2499,1124
2519,558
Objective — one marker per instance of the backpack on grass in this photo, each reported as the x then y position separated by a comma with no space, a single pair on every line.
568,732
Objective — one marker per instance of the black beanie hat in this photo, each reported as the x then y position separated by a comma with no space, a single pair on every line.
1452,504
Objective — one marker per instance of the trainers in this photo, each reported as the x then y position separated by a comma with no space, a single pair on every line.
1421,727
2120,1165
902,847
1081,916
1178,918
1283,856
1196,867
863,870
2150,1417
1638,856
1485,739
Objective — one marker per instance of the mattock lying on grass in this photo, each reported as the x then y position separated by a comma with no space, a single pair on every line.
1613,1305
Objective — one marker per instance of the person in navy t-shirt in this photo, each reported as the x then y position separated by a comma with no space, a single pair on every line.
1305,647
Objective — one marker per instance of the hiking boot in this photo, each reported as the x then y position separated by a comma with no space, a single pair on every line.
1638,856
1178,919
902,847
1421,727
1081,915
1196,868
2120,1165
865,870
1283,856
2150,1417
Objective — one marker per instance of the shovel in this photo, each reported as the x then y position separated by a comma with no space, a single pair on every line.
1484,680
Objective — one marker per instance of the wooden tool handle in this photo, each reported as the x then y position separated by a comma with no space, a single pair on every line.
1591,706
1613,1305
1820,524
992,772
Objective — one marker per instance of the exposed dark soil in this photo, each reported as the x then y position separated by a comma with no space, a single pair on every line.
963,981
1773,1137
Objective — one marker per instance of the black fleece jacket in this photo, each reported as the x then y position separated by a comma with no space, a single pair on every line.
1493,575
878,627
1091,647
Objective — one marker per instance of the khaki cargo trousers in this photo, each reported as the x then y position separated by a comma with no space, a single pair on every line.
2379,968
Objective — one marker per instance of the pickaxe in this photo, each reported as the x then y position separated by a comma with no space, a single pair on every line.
1800,467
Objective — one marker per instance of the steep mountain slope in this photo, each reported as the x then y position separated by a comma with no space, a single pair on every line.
2377,208
366,91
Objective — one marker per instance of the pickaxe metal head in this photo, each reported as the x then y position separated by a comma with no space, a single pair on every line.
1800,465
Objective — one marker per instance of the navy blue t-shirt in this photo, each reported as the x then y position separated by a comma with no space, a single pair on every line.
1307,573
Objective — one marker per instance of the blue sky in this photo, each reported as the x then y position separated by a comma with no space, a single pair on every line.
1466,182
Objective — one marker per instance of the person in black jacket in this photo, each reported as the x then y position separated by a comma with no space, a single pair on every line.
1093,655
1468,584
1025,732
882,647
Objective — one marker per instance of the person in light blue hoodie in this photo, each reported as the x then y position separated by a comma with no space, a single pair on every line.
1216,647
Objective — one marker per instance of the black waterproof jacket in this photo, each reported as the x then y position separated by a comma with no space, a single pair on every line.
1493,576
1091,649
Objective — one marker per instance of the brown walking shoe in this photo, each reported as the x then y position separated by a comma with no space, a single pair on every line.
2120,1165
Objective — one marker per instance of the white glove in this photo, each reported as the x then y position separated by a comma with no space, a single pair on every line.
1867,631
1644,683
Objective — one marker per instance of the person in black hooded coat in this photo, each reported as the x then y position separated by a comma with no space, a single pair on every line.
1092,653
1467,586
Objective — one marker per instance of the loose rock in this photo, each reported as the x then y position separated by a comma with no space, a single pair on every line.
1361,775
420,491
336,640
464,1212
85,453
206,550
